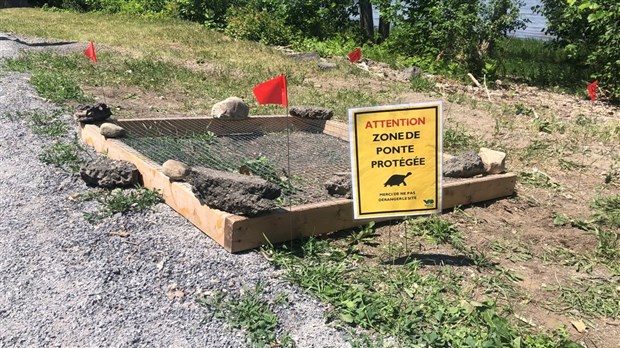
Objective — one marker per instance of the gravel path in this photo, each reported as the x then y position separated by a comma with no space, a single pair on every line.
65,282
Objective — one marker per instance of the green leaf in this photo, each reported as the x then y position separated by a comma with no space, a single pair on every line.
593,17
347,318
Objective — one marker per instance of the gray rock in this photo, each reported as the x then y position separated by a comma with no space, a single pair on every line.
232,192
304,56
339,185
175,170
92,113
107,173
111,130
232,107
327,65
313,112
409,73
466,165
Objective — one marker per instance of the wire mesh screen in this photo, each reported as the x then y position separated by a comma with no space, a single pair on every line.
298,155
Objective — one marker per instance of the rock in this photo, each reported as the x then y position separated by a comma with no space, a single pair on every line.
499,84
107,173
339,185
314,112
232,107
92,113
175,170
409,73
494,161
304,56
327,66
111,130
466,165
232,192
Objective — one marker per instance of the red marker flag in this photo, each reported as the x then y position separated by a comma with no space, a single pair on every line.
355,55
272,91
90,52
592,90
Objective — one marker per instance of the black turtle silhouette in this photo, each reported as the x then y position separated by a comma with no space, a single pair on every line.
396,180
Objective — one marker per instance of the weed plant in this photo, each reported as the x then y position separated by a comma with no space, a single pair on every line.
119,201
590,297
456,140
539,179
604,225
264,167
421,84
48,124
252,314
416,306
68,156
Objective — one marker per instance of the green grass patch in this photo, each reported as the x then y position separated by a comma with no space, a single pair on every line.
421,84
54,77
252,314
589,296
414,305
184,62
65,155
457,140
537,63
119,201
48,124
607,210
539,179
603,224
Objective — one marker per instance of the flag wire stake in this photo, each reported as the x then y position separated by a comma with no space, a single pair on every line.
288,169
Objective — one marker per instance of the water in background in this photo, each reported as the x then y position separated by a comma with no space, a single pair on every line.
537,22
534,28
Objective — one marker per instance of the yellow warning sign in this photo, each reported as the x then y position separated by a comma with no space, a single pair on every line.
396,160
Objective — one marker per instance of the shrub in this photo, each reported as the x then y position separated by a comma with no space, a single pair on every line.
588,30
262,26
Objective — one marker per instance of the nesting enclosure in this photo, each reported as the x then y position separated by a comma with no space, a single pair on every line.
299,155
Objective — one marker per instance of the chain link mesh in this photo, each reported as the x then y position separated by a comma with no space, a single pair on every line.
263,146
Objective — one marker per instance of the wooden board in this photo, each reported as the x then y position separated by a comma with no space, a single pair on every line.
237,233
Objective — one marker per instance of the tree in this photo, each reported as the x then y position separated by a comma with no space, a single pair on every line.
367,24
450,34
590,31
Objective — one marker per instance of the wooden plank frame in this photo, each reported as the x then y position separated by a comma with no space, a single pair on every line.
237,233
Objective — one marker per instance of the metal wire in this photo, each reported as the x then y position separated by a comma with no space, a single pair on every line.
300,160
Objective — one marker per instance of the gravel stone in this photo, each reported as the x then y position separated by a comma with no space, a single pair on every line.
68,283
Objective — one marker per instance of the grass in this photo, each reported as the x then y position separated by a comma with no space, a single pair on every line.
536,63
376,286
54,77
169,57
536,178
406,301
457,140
603,224
69,155
48,124
119,201
590,296
252,314
65,155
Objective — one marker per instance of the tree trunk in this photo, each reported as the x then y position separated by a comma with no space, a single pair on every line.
366,21
384,28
